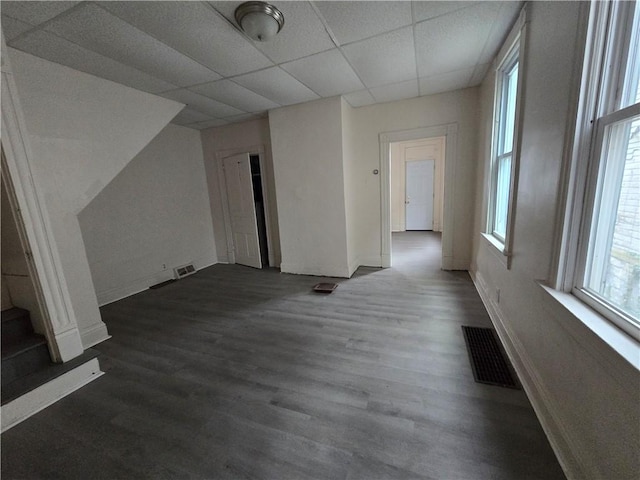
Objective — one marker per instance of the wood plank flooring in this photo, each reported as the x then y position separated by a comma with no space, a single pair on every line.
236,373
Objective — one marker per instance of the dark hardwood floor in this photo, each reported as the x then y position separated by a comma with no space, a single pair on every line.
238,373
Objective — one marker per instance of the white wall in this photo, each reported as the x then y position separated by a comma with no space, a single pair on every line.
350,185
586,395
458,107
153,216
221,142
82,131
400,154
306,141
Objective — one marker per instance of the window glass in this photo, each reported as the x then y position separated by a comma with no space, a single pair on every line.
612,270
631,86
502,197
509,91
501,187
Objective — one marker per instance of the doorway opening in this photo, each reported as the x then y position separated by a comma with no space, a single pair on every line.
417,203
258,200
246,209
405,155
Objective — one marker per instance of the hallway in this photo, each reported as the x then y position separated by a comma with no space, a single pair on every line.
241,373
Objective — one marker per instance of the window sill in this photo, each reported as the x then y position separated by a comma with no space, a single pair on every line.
621,342
498,249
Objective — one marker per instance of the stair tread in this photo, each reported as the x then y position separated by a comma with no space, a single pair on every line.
13,313
25,384
27,342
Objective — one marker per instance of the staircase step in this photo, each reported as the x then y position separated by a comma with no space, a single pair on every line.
27,343
20,359
12,313
16,324
25,384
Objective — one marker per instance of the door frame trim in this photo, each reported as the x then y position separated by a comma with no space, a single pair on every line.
222,182
61,327
450,132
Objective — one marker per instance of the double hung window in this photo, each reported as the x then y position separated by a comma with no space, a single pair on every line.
503,166
607,270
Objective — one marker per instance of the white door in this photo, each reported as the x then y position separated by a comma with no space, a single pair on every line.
419,195
237,172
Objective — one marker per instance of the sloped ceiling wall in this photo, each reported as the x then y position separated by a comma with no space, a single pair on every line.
82,131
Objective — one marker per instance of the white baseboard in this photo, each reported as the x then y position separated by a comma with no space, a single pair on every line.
338,271
544,407
94,335
36,400
138,285
69,344
371,261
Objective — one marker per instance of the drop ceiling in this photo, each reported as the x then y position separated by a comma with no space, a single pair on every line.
192,52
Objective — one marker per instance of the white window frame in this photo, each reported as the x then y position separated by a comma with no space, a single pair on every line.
512,50
602,76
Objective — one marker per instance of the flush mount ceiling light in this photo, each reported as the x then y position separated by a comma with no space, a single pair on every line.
259,20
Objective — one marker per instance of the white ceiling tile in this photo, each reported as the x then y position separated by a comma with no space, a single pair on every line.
454,41
235,95
34,13
211,40
427,10
505,19
276,85
188,115
303,33
353,21
396,91
360,99
59,50
11,28
446,82
242,118
386,59
97,30
326,73
208,124
201,103
478,74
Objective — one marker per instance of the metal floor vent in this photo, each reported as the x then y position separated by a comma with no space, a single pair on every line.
184,270
488,363
325,287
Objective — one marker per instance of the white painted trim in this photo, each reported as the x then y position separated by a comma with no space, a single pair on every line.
70,341
517,36
251,150
564,446
598,330
51,284
371,261
450,132
111,295
94,335
36,400
324,270
497,248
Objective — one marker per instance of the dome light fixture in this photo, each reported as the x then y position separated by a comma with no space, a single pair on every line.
259,20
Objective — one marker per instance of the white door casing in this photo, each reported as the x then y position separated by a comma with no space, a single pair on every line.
242,212
419,194
450,132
